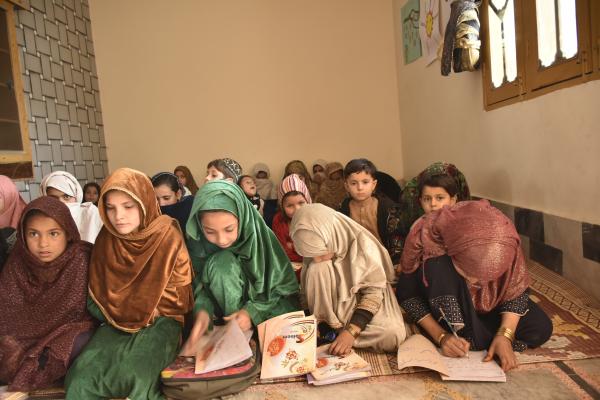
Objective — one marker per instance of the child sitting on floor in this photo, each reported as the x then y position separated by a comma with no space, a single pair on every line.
378,214
169,193
246,182
43,289
223,168
264,185
292,194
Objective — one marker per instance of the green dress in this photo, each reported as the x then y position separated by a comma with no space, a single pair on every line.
116,364
254,273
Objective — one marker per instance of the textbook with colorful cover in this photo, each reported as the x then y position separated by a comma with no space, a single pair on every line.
288,344
335,369
418,351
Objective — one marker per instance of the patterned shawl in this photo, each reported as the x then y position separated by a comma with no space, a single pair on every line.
332,191
360,260
44,304
137,277
409,199
484,246
263,261
13,203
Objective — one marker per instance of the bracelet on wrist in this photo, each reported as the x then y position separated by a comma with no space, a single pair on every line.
353,330
441,337
507,333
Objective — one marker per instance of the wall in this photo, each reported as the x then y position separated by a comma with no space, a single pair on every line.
536,158
61,92
266,80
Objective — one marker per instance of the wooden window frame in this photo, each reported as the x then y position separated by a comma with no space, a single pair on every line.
532,80
16,164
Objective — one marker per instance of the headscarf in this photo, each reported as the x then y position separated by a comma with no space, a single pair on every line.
293,183
319,177
332,191
189,178
264,186
298,167
484,246
86,215
44,304
13,203
140,276
360,260
263,261
409,199
233,167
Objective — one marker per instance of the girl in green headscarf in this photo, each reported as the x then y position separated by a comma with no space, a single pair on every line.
242,272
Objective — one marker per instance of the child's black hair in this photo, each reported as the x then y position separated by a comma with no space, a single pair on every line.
94,184
222,168
360,165
168,179
443,181
291,193
239,181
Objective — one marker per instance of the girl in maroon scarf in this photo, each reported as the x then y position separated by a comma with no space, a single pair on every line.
43,290
463,271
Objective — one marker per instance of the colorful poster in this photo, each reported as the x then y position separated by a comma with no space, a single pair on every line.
429,29
411,42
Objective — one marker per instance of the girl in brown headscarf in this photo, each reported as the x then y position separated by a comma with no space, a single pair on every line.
43,317
140,287
299,168
332,191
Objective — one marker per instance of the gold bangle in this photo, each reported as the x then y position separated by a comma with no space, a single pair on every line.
507,333
441,337
353,330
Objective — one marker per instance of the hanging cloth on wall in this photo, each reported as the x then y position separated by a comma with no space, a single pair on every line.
461,40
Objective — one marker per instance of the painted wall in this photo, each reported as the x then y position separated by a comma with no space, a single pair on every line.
540,154
189,81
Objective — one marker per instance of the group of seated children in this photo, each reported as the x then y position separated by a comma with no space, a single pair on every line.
100,295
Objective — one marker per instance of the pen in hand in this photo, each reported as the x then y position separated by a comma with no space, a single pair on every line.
451,327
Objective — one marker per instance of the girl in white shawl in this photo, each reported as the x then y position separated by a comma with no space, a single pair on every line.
63,186
264,185
346,280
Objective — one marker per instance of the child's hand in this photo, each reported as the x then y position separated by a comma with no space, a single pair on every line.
454,347
243,319
342,345
502,347
200,327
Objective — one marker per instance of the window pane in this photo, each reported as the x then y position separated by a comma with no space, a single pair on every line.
496,52
567,19
510,43
546,31
503,53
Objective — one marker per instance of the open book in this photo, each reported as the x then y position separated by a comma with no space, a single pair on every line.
222,347
418,351
335,369
288,344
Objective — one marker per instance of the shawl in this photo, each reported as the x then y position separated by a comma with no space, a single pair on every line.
180,210
264,186
292,183
190,182
298,167
44,304
260,255
332,192
140,276
409,199
484,246
319,177
86,214
360,260
13,203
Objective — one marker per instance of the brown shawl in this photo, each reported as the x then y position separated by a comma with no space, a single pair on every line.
43,305
137,277
332,191
484,246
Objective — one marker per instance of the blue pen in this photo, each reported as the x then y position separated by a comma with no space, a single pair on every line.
450,326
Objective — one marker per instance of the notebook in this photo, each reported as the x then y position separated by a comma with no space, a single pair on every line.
335,369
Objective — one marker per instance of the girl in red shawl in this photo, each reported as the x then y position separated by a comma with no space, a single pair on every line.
462,270
43,290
